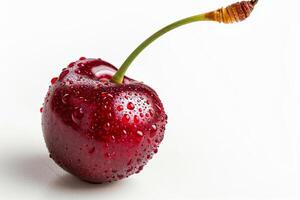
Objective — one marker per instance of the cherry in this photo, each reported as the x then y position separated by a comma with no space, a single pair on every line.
102,126
93,127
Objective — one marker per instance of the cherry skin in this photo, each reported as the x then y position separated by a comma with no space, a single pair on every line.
98,130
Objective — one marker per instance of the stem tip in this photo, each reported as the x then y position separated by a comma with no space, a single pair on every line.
254,2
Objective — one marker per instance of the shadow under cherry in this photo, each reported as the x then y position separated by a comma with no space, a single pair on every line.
39,169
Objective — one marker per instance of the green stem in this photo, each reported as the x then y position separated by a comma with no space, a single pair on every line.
119,75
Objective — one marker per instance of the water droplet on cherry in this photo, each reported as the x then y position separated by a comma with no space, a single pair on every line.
153,130
151,113
129,169
125,118
139,133
130,106
107,126
71,64
120,176
63,74
92,150
65,98
108,155
81,65
77,115
78,71
136,119
119,108
53,80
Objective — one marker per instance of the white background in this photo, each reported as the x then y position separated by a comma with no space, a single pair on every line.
232,94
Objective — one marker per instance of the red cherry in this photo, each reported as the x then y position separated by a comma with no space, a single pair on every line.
102,126
93,128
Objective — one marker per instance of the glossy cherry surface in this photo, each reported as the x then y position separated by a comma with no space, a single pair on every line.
98,130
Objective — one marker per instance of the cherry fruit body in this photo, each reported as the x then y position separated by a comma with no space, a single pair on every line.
98,130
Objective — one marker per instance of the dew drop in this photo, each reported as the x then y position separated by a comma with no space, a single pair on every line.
77,115
155,150
129,162
125,118
71,64
151,113
107,126
81,65
136,119
93,63
140,110
63,74
108,155
158,108
130,106
120,108
140,133
70,82
92,150
78,71
41,109
153,130
113,138
139,169
65,98
129,169
104,107
141,115
104,94
53,80
120,176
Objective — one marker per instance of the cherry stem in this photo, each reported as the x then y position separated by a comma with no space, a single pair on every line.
119,75
233,13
